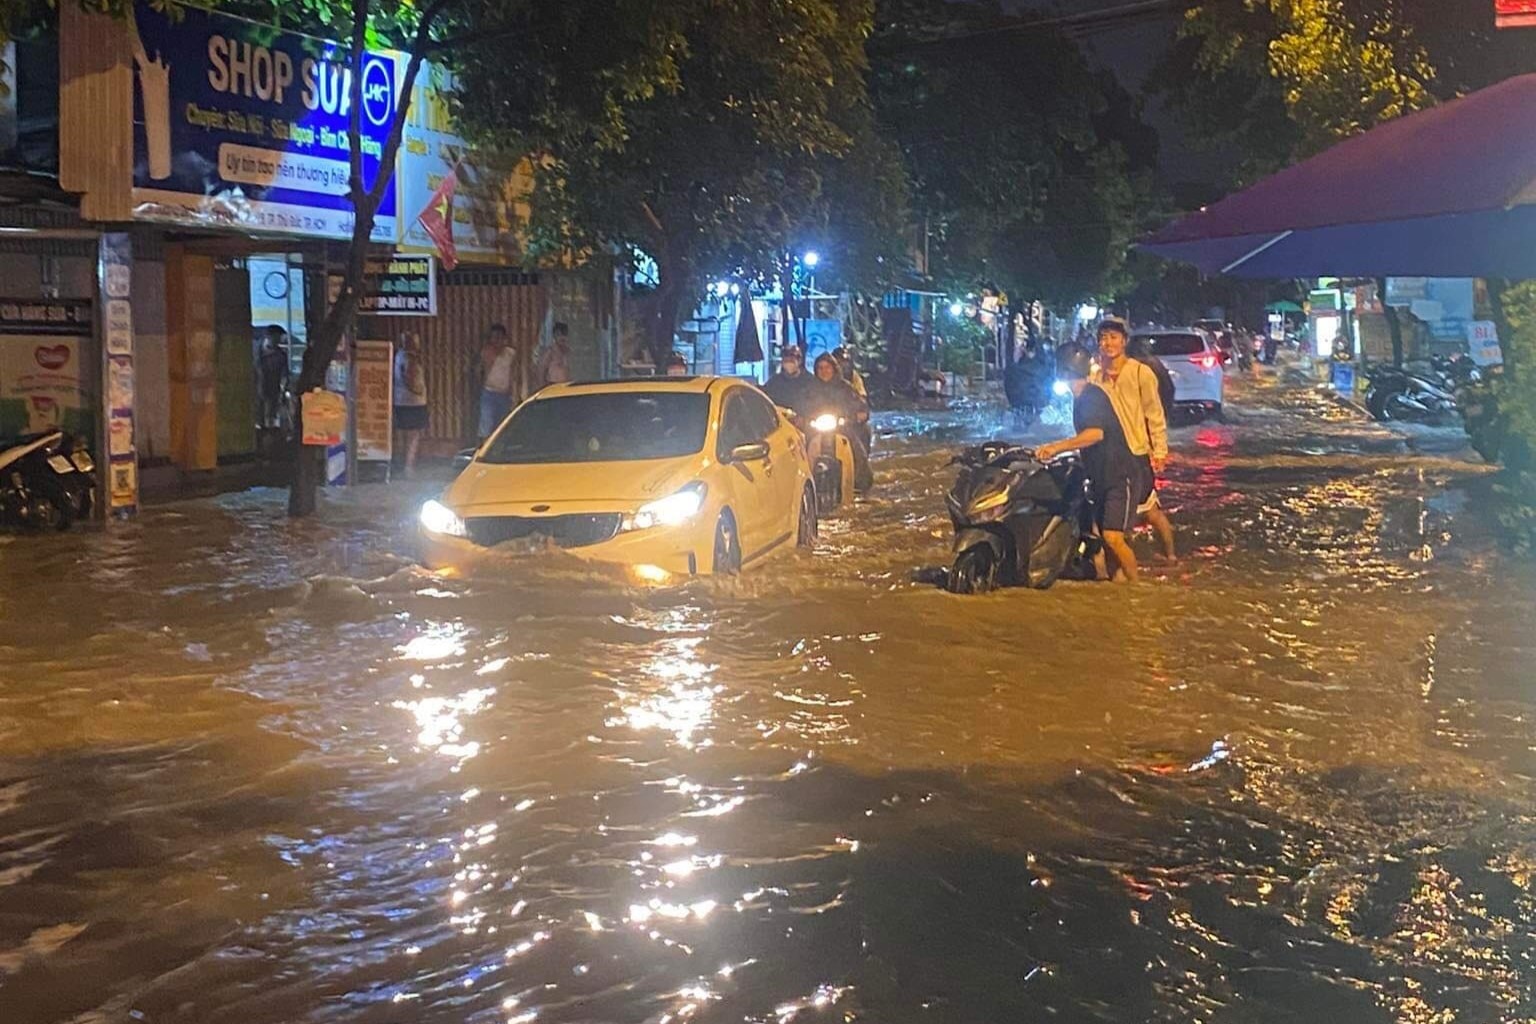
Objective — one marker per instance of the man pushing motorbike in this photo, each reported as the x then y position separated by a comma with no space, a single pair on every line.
1120,480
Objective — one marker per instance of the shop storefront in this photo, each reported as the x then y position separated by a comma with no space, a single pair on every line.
216,149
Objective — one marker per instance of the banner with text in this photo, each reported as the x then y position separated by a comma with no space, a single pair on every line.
489,202
42,381
399,285
237,124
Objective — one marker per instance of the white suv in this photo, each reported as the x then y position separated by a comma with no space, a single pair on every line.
1193,362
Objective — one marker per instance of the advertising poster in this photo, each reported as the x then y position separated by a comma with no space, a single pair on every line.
323,418
485,196
239,125
42,381
399,285
375,400
114,270
1483,343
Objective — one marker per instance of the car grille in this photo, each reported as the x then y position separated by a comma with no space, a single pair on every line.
573,531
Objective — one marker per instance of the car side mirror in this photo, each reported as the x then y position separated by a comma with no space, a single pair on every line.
753,452
461,460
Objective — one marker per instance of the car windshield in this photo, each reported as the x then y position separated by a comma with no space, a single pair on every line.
624,426
1174,344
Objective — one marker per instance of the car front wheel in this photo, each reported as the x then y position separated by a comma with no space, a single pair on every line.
805,535
727,546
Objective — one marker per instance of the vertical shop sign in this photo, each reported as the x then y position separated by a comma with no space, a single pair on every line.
114,271
373,395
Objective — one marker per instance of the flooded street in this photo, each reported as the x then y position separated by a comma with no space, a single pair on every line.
263,772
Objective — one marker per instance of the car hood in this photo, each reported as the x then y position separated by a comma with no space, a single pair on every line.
623,484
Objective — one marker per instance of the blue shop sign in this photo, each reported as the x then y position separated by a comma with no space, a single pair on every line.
240,125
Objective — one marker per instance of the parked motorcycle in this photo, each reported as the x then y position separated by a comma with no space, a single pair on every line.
1394,393
46,482
1019,521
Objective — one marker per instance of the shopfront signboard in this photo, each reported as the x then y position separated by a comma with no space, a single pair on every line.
485,194
239,125
42,381
1515,13
399,285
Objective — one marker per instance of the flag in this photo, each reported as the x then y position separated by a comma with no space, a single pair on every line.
437,219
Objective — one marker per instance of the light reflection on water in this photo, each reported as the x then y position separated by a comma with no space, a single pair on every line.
286,777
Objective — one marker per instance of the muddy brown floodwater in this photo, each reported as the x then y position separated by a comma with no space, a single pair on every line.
270,773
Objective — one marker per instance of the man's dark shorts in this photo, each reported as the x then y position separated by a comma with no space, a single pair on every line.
1119,504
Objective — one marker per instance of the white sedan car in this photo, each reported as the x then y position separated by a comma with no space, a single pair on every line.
1194,364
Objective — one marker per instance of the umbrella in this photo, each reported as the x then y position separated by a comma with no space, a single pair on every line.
749,348
1447,192
1283,306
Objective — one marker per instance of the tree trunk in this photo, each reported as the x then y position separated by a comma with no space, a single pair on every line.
671,289
326,341
1394,322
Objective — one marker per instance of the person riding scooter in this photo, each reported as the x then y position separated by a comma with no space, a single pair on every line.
831,394
790,387
844,356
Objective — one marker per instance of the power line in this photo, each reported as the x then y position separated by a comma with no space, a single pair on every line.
1078,24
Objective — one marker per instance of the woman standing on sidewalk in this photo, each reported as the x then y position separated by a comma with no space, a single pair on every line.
410,400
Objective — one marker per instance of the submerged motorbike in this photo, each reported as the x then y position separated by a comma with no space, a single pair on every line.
1394,393
46,482
1019,521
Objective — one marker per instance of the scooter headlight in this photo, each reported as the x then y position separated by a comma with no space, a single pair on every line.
987,502
673,510
435,517
826,423
1061,389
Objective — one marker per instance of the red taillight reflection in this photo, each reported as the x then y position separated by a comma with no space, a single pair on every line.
1205,362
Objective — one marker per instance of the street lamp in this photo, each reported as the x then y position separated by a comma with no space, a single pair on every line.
811,258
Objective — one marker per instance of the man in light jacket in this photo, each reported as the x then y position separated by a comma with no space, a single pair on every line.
1132,387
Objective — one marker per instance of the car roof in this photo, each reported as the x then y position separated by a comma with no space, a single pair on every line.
637,385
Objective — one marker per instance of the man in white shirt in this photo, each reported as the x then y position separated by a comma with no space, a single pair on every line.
1132,388
498,359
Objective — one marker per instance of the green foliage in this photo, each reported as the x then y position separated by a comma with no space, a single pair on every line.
1029,169
753,139
962,343
1277,80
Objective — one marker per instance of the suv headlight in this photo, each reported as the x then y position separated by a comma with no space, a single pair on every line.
435,517
673,510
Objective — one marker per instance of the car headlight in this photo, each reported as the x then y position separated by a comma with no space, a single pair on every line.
1061,389
673,510
826,423
436,517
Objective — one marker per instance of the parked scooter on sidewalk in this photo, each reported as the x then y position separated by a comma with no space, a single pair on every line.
46,482
1019,521
1398,394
